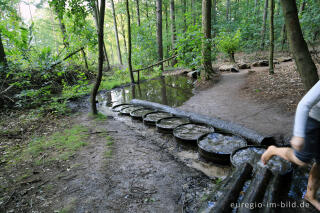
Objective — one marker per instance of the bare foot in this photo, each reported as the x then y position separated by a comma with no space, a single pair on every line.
313,201
268,154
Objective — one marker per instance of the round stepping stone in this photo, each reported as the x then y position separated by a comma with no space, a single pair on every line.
128,110
168,124
191,132
119,107
153,117
252,155
140,113
218,147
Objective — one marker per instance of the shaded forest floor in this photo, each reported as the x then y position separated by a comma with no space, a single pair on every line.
117,165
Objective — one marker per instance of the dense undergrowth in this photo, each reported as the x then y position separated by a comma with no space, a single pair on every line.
49,93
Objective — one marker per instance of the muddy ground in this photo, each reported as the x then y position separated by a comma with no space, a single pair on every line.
126,167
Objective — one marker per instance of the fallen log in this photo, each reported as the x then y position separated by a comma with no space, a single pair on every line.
252,200
233,189
160,62
65,58
222,125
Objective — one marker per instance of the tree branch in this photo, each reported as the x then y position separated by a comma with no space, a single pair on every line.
70,55
160,62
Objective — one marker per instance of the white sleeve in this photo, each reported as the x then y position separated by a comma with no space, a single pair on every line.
303,109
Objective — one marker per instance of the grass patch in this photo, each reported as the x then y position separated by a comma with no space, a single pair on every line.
108,153
99,116
109,144
58,146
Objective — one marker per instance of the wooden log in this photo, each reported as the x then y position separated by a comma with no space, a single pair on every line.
233,189
252,199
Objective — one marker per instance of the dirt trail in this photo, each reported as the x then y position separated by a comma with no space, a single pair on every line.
141,173
225,101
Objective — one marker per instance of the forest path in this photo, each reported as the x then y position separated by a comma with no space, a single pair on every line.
225,101
129,167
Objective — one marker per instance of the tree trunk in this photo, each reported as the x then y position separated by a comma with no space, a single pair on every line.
124,35
116,31
227,10
147,10
214,16
63,31
271,70
129,42
265,16
302,6
85,58
167,30
96,19
194,14
206,47
184,10
159,31
298,46
3,58
257,9
284,36
100,45
138,12
173,29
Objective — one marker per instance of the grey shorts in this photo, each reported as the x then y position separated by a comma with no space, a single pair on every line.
311,148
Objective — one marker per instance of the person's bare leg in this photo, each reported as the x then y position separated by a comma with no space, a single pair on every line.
313,186
283,152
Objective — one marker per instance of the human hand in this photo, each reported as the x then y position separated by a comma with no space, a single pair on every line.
297,142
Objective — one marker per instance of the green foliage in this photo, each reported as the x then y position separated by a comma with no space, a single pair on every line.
228,43
59,146
188,47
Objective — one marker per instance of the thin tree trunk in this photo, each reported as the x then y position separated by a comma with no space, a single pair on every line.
214,15
271,68
124,34
63,31
206,47
184,10
100,45
298,46
147,10
302,6
194,14
129,42
96,19
227,10
3,58
265,16
85,58
173,29
167,30
116,31
284,36
159,31
138,12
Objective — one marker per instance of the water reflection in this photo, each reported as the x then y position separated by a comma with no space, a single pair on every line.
170,90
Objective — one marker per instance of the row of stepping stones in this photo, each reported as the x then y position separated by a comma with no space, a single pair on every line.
250,182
